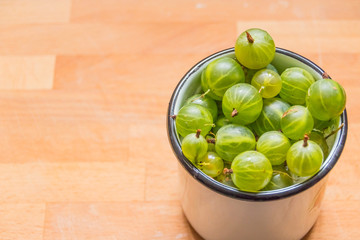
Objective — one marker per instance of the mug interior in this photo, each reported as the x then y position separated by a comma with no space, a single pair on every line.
190,85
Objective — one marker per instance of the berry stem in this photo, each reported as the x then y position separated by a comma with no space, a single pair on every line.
249,37
262,88
325,76
335,131
306,138
202,95
198,133
207,91
211,133
173,116
211,140
203,164
227,171
234,112
284,173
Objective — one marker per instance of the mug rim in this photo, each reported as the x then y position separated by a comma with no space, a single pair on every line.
233,192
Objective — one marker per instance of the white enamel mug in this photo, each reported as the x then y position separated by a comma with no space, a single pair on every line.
220,212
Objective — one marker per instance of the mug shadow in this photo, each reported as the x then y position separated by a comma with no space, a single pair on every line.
195,236
308,235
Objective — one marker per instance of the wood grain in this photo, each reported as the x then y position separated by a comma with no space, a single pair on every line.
112,221
126,38
211,11
26,72
74,182
20,221
39,11
84,90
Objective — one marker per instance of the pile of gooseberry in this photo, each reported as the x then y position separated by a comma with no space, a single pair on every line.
254,128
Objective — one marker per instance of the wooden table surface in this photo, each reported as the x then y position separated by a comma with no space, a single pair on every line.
85,86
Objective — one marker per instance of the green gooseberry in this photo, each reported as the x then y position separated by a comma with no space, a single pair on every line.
251,171
326,99
242,104
255,48
206,102
249,73
281,178
221,121
225,178
296,122
233,139
270,116
295,84
211,164
267,82
319,138
211,143
322,125
274,145
194,146
192,117
219,75
304,158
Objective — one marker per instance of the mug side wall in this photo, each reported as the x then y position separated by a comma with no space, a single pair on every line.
215,216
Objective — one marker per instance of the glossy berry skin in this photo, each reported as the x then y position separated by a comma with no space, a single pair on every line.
221,121
192,117
304,161
321,141
233,139
221,74
281,178
247,102
295,84
225,178
296,122
249,73
194,147
252,171
206,102
270,116
322,125
256,53
272,67
274,145
267,82
211,164
326,99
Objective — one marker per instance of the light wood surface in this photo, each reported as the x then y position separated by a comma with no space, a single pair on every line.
84,89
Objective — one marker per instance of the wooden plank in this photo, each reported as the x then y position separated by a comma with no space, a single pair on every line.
340,187
83,139
26,72
161,182
117,220
211,11
132,71
80,72
105,39
36,11
310,36
341,67
341,216
161,38
77,182
19,221
61,127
